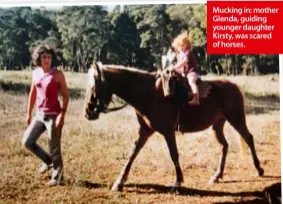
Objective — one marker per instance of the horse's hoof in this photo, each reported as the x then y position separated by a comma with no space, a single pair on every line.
176,187
117,187
260,171
175,190
213,180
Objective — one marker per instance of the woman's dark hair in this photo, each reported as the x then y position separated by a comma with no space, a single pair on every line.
44,49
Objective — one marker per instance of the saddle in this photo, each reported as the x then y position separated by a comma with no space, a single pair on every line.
183,92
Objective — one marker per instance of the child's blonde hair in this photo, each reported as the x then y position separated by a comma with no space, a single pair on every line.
180,40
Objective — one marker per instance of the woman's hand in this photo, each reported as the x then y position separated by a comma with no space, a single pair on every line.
28,119
65,95
60,120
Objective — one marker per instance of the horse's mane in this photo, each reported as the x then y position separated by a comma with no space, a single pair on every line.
130,70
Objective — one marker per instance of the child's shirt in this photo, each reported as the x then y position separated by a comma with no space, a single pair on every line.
191,66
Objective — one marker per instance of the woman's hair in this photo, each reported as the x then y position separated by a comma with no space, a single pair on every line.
44,49
180,40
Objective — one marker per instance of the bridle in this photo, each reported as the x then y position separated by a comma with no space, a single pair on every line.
99,102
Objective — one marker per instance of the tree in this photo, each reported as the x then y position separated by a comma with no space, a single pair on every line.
123,40
84,33
152,21
14,38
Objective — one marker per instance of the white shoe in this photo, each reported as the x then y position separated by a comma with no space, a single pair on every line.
53,182
56,182
44,167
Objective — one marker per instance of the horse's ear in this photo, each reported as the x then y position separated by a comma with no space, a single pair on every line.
99,66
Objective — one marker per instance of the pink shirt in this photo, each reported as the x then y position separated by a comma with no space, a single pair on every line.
47,91
181,57
191,66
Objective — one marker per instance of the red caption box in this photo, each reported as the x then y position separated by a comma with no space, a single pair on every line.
245,27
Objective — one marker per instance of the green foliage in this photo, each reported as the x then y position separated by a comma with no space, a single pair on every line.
84,32
123,40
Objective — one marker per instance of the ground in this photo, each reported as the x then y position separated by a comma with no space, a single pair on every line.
95,152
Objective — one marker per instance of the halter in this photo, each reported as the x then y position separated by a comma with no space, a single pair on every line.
100,102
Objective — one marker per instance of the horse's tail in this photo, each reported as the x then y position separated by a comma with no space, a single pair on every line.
242,142
243,146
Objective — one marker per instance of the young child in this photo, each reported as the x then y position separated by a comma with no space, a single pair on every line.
186,64
47,82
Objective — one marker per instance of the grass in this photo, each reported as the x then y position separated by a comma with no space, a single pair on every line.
94,152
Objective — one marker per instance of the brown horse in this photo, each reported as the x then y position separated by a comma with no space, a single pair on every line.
155,112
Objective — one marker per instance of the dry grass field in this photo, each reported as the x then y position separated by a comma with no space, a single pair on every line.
94,152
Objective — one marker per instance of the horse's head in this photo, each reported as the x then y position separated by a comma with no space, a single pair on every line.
168,76
97,97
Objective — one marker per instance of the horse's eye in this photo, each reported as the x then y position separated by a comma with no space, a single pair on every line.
167,72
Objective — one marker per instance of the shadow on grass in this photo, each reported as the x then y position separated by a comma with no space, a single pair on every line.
14,87
267,178
261,104
266,98
271,194
254,201
22,88
82,183
159,189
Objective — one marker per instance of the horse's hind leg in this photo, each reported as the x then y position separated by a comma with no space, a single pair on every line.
218,133
248,137
144,134
239,123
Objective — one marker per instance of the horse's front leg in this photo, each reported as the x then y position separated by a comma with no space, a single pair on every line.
171,143
144,134
219,135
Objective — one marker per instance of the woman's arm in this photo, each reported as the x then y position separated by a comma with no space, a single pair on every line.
64,90
65,96
31,102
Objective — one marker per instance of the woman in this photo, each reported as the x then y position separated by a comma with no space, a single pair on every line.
47,82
